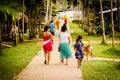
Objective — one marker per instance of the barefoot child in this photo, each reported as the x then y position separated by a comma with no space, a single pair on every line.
78,50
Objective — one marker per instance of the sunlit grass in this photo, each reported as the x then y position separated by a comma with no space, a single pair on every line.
14,59
100,70
79,31
106,51
99,50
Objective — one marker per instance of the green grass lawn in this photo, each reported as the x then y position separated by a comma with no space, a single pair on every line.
79,31
106,51
100,50
100,70
14,59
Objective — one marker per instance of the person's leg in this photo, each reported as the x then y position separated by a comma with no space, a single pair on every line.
49,57
66,62
87,55
45,56
61,59
78,62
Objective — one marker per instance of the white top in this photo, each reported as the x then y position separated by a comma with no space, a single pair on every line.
64,37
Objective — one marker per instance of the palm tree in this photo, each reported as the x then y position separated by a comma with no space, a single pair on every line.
5,11
103,27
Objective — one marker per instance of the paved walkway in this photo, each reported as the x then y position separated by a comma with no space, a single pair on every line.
56,70
37,70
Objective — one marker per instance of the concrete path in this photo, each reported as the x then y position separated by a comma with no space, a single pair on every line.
37,70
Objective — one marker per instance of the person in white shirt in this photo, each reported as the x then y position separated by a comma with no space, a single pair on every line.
64,45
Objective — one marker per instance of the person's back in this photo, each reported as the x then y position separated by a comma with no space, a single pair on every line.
52,27
64,37
64,46
47,44
46,35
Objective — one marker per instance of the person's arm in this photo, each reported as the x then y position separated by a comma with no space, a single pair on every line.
75,49
69,39
52,38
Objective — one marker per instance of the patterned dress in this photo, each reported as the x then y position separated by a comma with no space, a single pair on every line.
79,54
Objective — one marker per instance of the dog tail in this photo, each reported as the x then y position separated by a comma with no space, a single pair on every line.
89,43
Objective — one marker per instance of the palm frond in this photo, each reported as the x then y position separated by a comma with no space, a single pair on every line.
6,10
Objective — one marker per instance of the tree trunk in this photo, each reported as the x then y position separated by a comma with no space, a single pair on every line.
83,13
112,24
103,27
0,37
78,4
88,19
23,23
50,11
15,36
47,12
118,12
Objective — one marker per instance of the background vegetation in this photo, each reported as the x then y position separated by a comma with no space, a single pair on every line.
100,70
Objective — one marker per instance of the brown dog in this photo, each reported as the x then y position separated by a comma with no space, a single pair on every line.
88,50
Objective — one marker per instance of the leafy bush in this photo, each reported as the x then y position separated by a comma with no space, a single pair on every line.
77,21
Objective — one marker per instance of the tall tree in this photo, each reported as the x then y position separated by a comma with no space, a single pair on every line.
47,11
103,27
23,22
88,17
8,12
83,13
118,13
112,23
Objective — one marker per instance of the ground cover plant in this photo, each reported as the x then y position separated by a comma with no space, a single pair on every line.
100,50
100,70
14,59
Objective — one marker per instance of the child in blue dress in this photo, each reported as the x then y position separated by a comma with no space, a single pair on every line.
78,50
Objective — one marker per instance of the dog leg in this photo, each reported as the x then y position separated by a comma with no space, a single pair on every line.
87,56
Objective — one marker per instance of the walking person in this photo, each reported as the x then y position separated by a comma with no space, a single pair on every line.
52,27
47,44
64,45
78,50
57,24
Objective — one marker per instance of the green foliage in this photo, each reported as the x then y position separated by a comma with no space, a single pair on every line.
98,30
106,50
54,10
13,60
108,29
10,9
99,49
100,70
77,21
